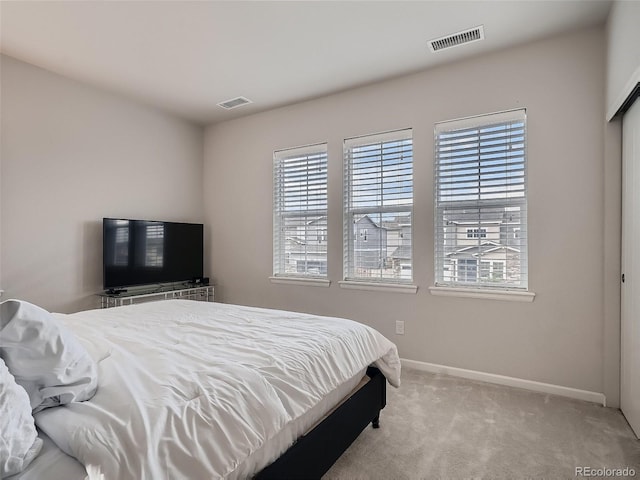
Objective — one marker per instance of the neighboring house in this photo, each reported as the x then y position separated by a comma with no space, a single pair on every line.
306,252
485,250
375,246
400,256
370,244
487,262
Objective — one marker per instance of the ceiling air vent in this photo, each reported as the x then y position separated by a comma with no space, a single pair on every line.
467,36
234,103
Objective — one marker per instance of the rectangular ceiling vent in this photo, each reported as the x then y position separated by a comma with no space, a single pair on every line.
467,36
234,103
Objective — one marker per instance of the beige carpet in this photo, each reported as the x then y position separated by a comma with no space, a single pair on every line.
442,427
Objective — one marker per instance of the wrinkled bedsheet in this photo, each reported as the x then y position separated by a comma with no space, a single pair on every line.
196,390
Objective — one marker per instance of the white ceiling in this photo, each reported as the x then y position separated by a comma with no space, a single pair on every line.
186,57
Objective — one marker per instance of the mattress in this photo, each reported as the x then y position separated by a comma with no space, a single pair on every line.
204,390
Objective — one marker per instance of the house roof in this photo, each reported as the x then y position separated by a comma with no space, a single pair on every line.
483,249
316,220
366,218
402,252
488,217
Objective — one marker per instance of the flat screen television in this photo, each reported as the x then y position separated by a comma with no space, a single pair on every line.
146,252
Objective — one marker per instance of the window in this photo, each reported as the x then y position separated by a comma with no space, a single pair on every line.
154,245
476,233
378,207
121,250
481,201
467,270
300,212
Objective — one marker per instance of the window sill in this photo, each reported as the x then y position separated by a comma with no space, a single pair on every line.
380,287
309,282
483,293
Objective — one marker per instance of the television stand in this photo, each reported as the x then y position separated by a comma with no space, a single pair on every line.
119,297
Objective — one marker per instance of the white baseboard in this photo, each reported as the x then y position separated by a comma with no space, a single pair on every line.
585,395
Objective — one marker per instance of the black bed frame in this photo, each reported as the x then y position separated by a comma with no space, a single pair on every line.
314,453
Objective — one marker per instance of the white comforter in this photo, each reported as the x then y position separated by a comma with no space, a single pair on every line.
193,390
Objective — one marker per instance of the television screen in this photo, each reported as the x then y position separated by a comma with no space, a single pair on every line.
142,252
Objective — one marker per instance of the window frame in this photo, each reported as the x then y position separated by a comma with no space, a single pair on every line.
281,214
447,278
350,277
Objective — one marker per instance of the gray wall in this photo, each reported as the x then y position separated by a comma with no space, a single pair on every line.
72,154
559,337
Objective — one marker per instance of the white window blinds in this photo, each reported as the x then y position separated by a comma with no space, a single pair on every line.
378,207
300,212
481,201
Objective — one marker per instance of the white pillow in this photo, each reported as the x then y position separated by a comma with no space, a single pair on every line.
19,442
45,358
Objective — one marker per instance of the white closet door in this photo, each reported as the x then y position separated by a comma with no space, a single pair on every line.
630,334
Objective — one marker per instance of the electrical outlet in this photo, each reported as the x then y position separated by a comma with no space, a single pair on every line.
399,327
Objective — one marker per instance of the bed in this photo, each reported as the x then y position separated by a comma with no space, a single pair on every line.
192,390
